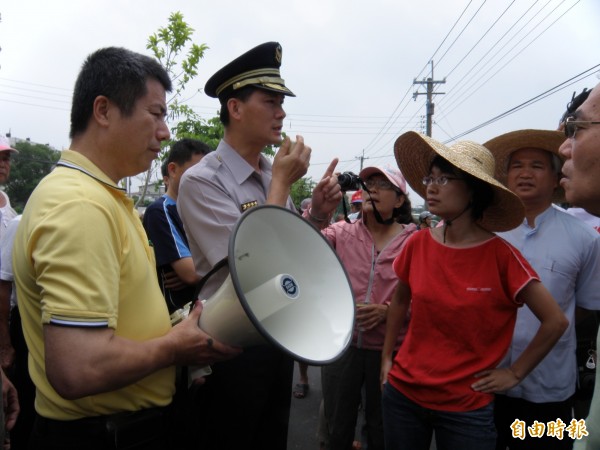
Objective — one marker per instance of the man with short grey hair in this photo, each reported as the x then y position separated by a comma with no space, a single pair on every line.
581,182
565,253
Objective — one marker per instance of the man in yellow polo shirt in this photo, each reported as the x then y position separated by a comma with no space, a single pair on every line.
102,352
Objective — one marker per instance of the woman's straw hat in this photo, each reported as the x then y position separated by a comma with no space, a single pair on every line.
504,145
415,152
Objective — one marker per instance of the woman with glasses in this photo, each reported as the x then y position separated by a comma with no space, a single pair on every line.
367,249
462,313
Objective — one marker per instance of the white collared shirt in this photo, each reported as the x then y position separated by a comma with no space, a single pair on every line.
565,252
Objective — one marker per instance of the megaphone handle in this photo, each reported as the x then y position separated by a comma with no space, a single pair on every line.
218,266
195,372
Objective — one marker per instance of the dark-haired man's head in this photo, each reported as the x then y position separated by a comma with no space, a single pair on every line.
183,155
118,74
183,150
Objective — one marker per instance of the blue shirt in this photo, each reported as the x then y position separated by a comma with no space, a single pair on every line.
565,252
167,237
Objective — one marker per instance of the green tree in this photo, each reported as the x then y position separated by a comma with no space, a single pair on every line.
194,127
28,167
172,46
302,189
168,46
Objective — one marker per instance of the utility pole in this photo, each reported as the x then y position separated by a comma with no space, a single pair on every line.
430,105
362,159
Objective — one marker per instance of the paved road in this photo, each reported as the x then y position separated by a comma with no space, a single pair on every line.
304,413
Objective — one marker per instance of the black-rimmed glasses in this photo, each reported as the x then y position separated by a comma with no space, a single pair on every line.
440,181
379,184
572,125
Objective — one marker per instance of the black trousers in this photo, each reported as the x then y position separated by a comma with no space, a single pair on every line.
343,382
507,409
245,402
149,429
19,375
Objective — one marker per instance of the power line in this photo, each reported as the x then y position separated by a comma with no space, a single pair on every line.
553,90
33,104
378,137
35,84
386,127
393,133
479,40
531,101
34,96
466,83
35,90
474,71
462,31
474,90
385,145
294,115
447,35
443,130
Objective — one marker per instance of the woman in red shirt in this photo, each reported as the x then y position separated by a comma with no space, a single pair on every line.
463,308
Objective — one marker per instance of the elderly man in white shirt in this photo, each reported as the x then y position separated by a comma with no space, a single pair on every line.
565,253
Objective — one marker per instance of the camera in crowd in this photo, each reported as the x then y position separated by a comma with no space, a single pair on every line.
349,181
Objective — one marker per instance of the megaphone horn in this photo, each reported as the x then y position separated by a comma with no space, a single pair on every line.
286,286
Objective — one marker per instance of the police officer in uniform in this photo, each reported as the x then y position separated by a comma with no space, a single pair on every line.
245,403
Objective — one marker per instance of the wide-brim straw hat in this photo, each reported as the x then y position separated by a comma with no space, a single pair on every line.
504,145
414,153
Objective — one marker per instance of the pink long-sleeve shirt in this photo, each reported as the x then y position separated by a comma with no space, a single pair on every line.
371,274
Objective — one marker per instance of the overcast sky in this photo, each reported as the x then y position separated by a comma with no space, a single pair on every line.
351,63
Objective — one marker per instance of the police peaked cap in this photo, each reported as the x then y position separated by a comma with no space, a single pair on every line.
258,67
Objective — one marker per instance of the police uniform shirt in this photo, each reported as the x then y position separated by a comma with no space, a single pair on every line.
213,195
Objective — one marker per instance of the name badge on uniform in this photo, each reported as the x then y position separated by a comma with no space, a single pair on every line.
246,206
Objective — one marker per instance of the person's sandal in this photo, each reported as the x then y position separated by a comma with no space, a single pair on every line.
300,390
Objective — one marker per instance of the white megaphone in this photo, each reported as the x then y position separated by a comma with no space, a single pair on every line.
286,286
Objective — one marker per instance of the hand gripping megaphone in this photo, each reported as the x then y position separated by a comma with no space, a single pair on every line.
286,286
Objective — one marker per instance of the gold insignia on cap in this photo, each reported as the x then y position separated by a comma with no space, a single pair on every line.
257,76
246,206
278,54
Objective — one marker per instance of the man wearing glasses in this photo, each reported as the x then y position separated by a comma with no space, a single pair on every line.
581,182
581,171
565,253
